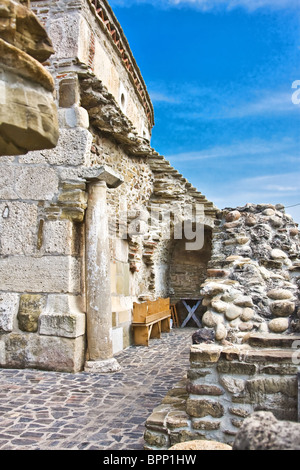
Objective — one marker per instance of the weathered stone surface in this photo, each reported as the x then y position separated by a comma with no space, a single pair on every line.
282,308
46,274
26,87
278,325
31,307
43,352
201,445
221,331
201,353
232,216
18,228
9,304
233,385
21,28
204,335
199,389
201,408
30,182
233,312
262,431
155,439
279,294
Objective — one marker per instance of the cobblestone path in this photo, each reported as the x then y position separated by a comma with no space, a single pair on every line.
59,411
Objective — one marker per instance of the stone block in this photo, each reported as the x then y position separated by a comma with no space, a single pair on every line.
18,228
238,368
272,385
7,182
30,182
122,278
64,32
201,408
68,92
205,353
117,340
43,352
202,389
156,439
28,114
62,317
59,237
9,304
73,148
30,308
47,274
205,424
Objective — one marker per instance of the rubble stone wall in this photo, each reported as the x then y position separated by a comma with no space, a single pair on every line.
224,385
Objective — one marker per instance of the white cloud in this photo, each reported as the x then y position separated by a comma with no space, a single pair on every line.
208,5
286,149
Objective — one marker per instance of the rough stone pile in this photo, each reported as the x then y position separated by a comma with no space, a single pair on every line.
254,273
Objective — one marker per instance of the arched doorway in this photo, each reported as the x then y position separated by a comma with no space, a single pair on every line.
187,271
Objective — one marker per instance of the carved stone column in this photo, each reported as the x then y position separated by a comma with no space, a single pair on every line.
98,283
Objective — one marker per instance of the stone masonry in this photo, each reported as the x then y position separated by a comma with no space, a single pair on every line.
73,263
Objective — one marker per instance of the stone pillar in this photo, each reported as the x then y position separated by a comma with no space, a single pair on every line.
98,283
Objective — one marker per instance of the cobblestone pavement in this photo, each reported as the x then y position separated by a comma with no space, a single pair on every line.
59,411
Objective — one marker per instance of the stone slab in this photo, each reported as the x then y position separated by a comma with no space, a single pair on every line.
46,274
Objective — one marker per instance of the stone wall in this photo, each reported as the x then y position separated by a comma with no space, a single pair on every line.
47,210
224,385
253,275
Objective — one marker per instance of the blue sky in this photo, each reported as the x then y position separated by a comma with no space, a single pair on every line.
220,75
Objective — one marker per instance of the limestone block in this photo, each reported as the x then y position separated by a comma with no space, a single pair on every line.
43,352
59,237
7,180
64,32
9,304
47,274
37,182
117,340
30,308
20,27
18,227
62,317
73,148
28,115
76,117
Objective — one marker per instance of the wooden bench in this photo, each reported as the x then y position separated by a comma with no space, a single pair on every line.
150,319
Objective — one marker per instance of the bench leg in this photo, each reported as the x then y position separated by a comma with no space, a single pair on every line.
165,325
141,335
156,330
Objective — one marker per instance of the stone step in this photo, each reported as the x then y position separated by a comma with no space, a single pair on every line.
273,341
